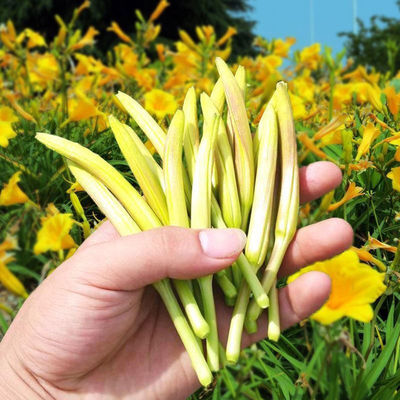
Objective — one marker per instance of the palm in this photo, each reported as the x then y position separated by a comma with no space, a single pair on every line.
83,337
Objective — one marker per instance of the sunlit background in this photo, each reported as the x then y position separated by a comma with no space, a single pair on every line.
312,21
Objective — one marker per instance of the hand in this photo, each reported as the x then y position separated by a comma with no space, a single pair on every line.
94,329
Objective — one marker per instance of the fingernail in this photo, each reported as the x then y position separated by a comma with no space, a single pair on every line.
222,243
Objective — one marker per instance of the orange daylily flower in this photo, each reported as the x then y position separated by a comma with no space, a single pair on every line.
376,244
187,40
333,125
360,75
361,165
119,32
12,193
281,48
310,145
364,255
82,107
352,192
393,100
228,34
86,40
160,48
83,6
12,99
161,6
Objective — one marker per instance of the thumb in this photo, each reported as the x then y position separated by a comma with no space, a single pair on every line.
134,261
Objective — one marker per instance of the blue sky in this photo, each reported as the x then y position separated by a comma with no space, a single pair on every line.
282,18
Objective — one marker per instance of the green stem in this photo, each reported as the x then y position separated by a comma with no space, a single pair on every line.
250,276
372,339
196,319
332,85
236,326
237,275
185,333
211,318
396,262
274,326
227,287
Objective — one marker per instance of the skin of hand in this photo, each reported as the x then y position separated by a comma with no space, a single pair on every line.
94,329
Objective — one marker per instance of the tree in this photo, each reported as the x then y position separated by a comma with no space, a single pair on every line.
376,46
182,14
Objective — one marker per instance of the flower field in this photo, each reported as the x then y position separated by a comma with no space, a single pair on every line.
348,115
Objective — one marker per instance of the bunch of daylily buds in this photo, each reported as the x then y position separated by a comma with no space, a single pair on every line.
229,178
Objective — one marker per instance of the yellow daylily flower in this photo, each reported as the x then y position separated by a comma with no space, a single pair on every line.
393,100
298,106
6,133
310,56
354,287
9,243
352,192
54,234
370,133
34,39
12,193
160,103
11,282
394,175
7,114
7,278
281,48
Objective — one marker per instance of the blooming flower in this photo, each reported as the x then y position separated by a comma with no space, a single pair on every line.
394,175
393,100
160,103
86,40
281,48
12,193
54,233
6,133
82,107
7,278
354,286
352,192
369,135
310,56
119,32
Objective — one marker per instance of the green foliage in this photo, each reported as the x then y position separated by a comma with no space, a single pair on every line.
181,14
376,46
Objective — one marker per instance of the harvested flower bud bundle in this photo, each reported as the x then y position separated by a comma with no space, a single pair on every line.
228,178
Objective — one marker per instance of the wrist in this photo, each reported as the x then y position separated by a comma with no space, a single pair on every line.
16,382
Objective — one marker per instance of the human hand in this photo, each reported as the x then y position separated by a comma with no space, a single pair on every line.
94,329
